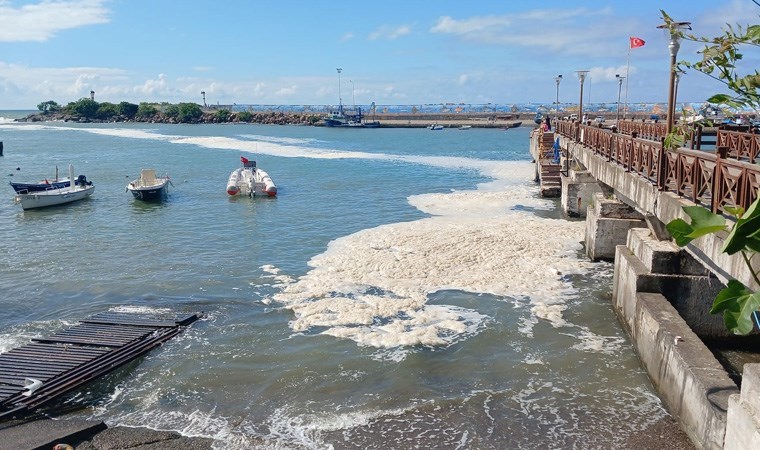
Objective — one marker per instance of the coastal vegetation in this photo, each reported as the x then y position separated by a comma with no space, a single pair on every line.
88,110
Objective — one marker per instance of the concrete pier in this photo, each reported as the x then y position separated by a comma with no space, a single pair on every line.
662,295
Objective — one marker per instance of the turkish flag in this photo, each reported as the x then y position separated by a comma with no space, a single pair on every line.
244,160
637,42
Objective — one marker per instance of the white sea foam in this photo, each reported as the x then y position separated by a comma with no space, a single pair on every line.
372,286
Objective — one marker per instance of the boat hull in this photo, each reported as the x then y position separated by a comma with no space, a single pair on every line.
148,187
25,188
54,197
150,193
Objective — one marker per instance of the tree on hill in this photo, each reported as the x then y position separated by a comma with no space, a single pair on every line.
107,111
222,115
128,110
189,112
83,107
146,111
49,106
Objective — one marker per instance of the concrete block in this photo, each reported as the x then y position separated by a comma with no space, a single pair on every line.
691,296
691,382
742,425
662,256
604,234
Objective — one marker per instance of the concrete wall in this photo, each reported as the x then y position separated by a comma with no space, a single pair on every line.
688,378
743,426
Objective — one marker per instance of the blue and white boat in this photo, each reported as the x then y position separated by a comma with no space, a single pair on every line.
149,187
52,196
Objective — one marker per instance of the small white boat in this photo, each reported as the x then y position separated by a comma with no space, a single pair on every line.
80,189
251,181
435,127
465,127
149,187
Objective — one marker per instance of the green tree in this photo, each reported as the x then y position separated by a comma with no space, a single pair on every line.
49,106
189,112
222,115
146,111
128,110
172,111
107,111
84,107
245,116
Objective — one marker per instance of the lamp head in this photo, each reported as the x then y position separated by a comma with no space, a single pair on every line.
582,74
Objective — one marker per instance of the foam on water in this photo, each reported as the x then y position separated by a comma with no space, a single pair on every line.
372,286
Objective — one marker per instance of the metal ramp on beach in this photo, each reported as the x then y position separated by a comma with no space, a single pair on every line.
47,368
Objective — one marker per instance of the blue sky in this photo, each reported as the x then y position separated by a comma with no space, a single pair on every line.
390,52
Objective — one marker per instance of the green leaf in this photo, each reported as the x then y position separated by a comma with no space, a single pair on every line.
704,221
737,211
737,304
743,235
718,99
680,231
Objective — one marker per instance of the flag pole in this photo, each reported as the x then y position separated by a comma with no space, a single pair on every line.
627,77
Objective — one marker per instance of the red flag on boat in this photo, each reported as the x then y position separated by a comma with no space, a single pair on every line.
637,42
244,159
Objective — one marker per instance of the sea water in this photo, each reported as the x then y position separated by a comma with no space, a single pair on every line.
406,288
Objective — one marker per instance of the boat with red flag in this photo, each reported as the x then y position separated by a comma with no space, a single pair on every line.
250,181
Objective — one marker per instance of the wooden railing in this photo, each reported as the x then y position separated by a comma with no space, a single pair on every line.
710,179
741,146
654,131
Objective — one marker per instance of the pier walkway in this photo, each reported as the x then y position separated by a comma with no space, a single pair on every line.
35,374
628,184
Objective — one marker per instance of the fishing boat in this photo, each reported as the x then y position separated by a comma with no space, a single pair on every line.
465,127
250,181
435,127
81,189
149,187
345,118
42,185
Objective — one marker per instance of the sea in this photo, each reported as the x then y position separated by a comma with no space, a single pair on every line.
406,288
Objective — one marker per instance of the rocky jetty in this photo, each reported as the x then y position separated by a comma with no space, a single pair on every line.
268,118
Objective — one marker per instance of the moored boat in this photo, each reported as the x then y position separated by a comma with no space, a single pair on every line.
81,189
250,181
149,187
435,127
42,185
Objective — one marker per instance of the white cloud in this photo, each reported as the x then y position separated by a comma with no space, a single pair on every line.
463,79
347,37
734,12
41,21
562,31
390,33
286,91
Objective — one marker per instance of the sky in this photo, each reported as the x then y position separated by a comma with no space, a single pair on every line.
391,52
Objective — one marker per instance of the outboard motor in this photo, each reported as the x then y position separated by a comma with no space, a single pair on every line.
82,181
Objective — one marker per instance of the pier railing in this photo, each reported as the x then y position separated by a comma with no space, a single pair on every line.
725,177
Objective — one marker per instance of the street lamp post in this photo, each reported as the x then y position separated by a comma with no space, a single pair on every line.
673,33
340,99
557,79
620,86
582,77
